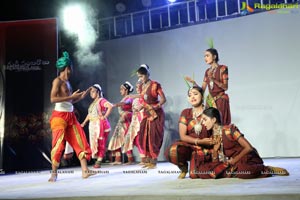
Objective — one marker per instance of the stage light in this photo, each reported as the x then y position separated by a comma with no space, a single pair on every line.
78,20
171,1
74,18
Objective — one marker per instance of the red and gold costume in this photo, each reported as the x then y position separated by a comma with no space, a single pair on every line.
249,166
152,126
180,153
217,97
66,128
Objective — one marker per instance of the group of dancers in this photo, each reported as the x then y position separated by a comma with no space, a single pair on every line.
141,121
213,146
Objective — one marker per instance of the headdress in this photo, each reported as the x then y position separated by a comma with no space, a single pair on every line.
210,43
187,83
128,86
98,87
63,61
146,67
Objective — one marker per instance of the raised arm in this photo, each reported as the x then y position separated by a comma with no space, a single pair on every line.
189,79
82,96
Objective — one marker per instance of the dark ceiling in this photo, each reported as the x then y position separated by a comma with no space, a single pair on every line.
36,9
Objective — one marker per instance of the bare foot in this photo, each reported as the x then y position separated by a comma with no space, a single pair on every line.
151,166
116,163
53,177
182,175
278,171
129,163
88,173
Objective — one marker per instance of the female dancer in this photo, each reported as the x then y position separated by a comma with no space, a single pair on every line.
216,79
125,112
232,154
132,137
152,126
99,126
193,136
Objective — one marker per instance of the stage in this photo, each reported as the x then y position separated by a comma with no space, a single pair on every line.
133,182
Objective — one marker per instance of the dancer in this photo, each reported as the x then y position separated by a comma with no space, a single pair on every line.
216,79
64,124
194,138
232,154
152,126
125,112
132,137
99,126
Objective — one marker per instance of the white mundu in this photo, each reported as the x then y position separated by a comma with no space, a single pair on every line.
64,106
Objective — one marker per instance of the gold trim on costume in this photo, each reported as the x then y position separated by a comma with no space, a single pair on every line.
54,150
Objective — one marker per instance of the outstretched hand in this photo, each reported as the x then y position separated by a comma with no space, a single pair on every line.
86,92
189,79
77,94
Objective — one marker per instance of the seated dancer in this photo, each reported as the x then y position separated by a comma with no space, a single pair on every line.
64,124
193,136
232,155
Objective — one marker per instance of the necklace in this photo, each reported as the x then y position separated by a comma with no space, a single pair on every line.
197,126
212,71
218,134
144,89
93,104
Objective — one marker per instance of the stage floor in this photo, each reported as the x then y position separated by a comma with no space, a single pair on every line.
133,182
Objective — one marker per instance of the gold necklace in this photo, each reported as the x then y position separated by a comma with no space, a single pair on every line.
212,71
197,126
218,134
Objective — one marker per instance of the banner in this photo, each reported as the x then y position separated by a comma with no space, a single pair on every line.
27,59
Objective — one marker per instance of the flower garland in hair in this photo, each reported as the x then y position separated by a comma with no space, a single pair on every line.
187,83
197,126
209,99
133,73
210,43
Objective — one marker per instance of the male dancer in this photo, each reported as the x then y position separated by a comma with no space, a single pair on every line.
64,125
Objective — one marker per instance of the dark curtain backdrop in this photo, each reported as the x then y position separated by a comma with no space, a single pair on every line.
29,51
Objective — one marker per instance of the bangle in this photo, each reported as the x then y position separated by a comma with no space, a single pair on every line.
196,141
